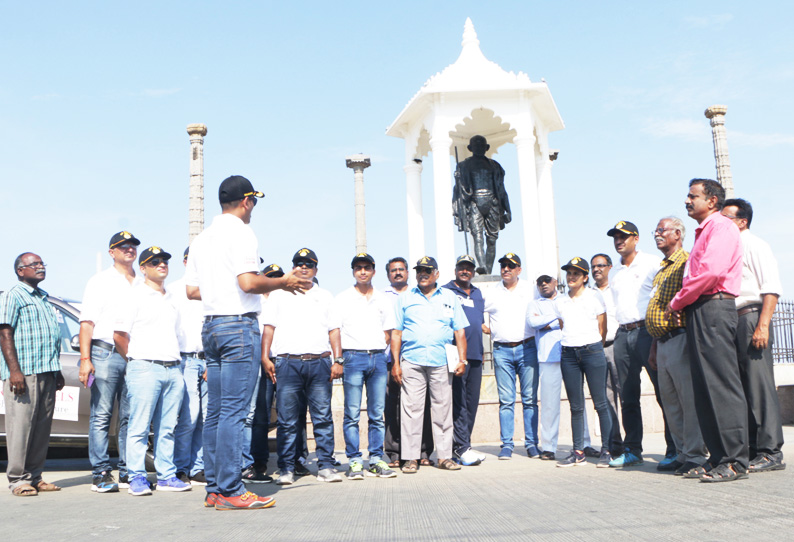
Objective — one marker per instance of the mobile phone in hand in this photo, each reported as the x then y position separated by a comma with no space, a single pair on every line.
90,380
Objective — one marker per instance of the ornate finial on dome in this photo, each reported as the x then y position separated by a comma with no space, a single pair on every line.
469,34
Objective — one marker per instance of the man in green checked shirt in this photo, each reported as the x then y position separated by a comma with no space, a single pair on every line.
30,368
669,353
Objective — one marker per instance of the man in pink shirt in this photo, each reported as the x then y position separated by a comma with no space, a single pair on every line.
711,284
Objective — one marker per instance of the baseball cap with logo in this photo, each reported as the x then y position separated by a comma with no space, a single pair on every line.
123,237
235,188
510,257
273,271
304,254
362,257
577,263
465,259
426,262
153,252
624,227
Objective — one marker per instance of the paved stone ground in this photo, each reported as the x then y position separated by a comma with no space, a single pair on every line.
521,499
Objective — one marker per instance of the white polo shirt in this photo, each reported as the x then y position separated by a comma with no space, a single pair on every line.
302,322
101,300
579,317
191,317
759,271
363,320
631,287
609,301
508,311
151,320
222,252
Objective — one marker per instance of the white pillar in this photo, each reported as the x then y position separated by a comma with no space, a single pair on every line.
416,220
716,113
440,144
525,149
547,215
196,204
358,163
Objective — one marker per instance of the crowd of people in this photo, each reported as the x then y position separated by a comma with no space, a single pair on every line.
201,362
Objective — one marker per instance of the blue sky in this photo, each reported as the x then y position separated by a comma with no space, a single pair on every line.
95,98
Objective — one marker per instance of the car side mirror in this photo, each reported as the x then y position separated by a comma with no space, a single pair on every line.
75,343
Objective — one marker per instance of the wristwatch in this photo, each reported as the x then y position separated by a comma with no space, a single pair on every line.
340,360
464,361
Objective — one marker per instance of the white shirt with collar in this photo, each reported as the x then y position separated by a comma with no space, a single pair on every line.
222,252
302,322
191,317
609,301
363,321
151,320
101,300
760,273
508,311
579,317
631,287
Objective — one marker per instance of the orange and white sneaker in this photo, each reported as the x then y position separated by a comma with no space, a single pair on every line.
246,501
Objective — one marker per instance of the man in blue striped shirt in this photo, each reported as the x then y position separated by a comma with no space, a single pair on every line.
30,368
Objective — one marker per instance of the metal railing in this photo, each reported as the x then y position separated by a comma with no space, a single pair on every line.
783,329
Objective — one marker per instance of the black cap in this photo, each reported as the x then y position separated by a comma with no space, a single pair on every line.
236,187
123,237
465,259
546,274
273,271
427,262
577,263
362,257
153,252
624,227
187,251
304,254
510,257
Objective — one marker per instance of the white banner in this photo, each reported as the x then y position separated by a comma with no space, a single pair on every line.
66,403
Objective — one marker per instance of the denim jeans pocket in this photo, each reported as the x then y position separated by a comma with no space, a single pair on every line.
235,345
99,354
137,366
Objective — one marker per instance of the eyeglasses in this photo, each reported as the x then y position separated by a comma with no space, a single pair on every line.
544,280
424,270
253,196
154,262
600,265
126,246
307,265
34,264
511,265
661,231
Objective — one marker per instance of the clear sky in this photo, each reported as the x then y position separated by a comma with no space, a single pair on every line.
95,98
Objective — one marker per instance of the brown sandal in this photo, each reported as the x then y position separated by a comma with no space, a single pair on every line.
394,464
410,467
25,490
46,486
448,464
426,462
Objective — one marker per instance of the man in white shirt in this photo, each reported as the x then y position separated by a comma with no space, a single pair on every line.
514,354
188,445
101,364
760,291
302,333
631,281
366,317
146,335
223,272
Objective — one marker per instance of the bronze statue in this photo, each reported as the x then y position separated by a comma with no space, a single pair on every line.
479,201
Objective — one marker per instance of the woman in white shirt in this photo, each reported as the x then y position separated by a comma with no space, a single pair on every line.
583,322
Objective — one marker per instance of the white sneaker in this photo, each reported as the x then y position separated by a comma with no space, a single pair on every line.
469,458
286,478
329,475
478,454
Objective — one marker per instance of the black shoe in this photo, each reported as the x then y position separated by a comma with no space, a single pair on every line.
250,476
589,451
686,467
669,466
183,477
765,463
301,470
547,456
198,479
124,481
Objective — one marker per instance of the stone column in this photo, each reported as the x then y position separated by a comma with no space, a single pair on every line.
525,149
716,114
440,144
196,205
546,214
416,220
358,163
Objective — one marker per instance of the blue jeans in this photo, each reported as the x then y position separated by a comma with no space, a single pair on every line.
109,385
233,348
364,369
577,363
260,449
300,383
509,362
248,426
465,400
155,397
188,448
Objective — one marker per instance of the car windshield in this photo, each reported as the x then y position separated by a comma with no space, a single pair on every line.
69,328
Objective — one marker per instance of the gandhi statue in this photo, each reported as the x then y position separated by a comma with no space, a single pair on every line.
479,201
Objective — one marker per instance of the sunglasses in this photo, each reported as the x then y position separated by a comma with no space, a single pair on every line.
154,262
543,281
126,246
511,265
307,265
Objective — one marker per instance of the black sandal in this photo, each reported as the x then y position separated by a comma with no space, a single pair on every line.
725,472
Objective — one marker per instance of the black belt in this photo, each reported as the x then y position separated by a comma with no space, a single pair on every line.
305,357
608,344
748,309
169,363
375,351
513,345
212,317
675,333
102,344
199,355
718,295
583,347
633,325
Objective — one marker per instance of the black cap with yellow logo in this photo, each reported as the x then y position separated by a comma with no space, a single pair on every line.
123,237
362,257
510,257
236,188
624,227
304,254
153,252
273,271
577,263
426,262
465,259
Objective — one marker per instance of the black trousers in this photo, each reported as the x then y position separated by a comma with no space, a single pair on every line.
719,397
632,349
391,414
465,400
765,425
